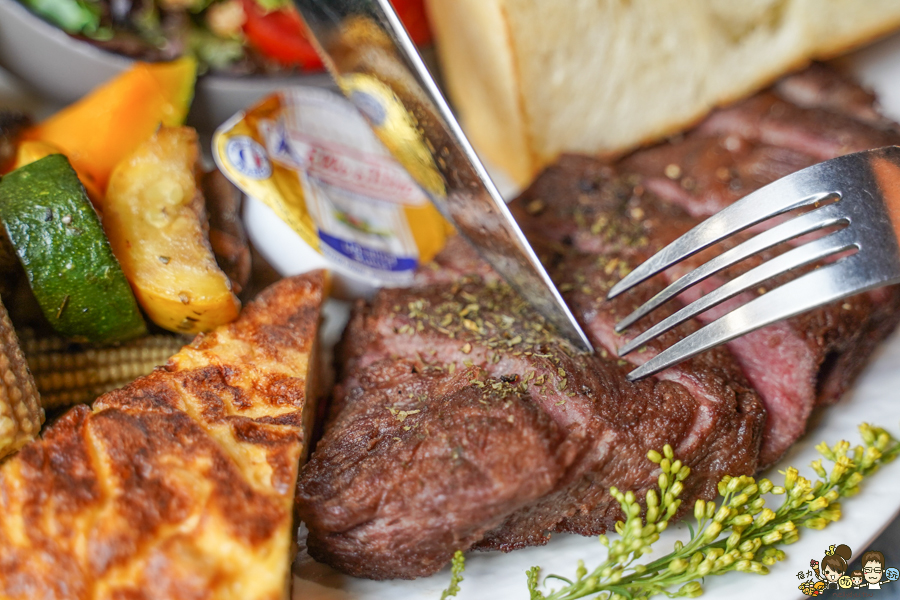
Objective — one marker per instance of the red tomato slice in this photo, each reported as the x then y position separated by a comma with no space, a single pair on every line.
280,35
412,13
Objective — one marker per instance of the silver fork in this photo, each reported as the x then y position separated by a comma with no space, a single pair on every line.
858,194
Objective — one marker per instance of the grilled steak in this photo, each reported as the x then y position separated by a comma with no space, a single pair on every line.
736,151
462,421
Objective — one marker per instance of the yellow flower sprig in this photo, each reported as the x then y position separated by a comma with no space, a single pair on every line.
736,533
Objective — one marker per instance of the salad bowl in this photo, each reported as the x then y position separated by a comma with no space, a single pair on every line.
60,68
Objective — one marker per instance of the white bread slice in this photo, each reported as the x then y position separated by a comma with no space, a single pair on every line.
534,78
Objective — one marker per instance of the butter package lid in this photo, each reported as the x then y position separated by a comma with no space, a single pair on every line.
309,155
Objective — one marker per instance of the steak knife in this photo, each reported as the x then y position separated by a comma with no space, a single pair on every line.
377,66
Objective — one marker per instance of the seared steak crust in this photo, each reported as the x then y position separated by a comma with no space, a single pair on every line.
740,149
461,421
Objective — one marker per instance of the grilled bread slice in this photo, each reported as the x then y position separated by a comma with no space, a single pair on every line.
179,485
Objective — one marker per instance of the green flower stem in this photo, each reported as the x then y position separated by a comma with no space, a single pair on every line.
737,533
457,566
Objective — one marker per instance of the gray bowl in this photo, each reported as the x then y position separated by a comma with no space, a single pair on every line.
62,69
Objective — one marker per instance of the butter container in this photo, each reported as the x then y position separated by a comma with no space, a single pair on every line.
308,157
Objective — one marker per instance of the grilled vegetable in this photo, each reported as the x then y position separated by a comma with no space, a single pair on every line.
30,151
67,373
68,262
153,215
99,130
274,29
21,415
74,16
279,35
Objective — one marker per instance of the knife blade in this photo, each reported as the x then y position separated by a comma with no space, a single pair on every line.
376,65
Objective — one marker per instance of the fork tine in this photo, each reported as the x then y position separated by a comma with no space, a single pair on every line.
813,289
818,219
794,191
797,257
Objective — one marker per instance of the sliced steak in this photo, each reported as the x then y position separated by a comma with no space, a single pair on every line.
601,223
738,150
427,464
429,374
457,260
820,86
461,420
705,173
706,404
769,119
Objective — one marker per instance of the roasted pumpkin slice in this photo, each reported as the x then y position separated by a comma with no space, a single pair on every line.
154,217
32,150
99,130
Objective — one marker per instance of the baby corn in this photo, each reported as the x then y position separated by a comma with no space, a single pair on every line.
68,374
21,415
